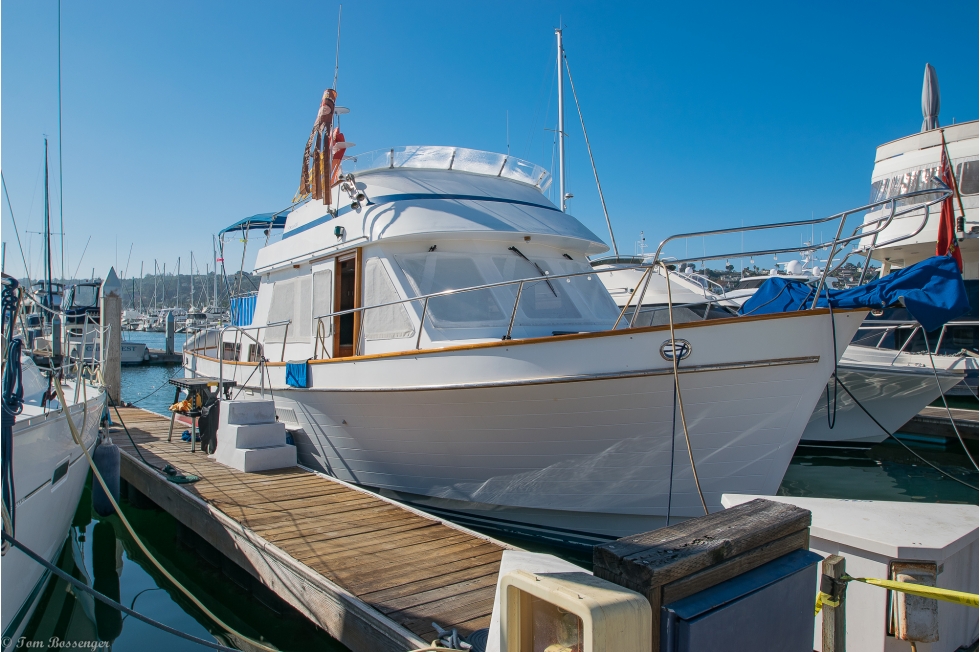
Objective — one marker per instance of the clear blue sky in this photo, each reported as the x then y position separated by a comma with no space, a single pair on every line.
182,117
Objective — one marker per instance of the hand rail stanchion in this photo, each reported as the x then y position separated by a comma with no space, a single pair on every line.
513,314
425,308
830,261
285,336
630,300
639,301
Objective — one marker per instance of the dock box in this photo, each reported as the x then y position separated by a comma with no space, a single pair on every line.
673,563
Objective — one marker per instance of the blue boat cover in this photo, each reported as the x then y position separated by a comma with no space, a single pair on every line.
932,291
296,373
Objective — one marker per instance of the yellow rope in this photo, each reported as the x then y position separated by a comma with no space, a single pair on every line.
78,440
932,592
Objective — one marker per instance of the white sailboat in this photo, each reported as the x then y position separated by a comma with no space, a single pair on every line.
43,468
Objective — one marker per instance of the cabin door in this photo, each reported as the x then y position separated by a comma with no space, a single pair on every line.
347,297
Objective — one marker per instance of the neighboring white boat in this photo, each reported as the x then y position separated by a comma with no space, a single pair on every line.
538,411
49,471
892,386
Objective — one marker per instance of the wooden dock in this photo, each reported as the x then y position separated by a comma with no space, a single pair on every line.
934,421
373,573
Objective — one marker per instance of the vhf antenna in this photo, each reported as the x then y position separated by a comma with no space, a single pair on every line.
336,59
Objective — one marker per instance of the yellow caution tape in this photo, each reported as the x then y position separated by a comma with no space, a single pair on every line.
946,595
824,599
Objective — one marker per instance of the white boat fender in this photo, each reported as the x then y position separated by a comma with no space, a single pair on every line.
106,458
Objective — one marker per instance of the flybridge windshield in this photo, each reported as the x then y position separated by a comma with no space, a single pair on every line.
451,158
914,179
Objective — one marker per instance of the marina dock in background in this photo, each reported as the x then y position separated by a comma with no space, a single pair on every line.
373,573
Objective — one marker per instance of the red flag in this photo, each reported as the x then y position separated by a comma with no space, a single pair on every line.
946,239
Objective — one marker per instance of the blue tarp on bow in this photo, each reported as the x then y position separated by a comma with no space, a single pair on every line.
932,290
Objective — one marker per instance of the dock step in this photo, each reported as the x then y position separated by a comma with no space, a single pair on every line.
250,439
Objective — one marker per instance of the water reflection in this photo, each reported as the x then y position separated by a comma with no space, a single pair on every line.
884,471
100,553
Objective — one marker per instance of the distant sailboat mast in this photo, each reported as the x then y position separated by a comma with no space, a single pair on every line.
47,229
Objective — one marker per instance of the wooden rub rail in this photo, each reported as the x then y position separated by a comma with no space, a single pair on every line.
371,572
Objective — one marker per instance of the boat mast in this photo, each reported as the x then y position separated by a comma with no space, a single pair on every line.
561,121
192,279
47,229
155,270
214,298
177,300
61,179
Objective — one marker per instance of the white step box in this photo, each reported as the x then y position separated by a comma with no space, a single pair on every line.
250,439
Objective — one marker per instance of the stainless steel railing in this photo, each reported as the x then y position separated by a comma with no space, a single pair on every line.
868,229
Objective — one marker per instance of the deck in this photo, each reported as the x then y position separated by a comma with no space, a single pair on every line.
373,573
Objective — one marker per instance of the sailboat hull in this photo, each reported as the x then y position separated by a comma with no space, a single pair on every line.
49,474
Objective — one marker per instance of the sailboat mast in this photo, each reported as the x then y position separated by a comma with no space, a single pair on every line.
561,121
61,177
47,229
192,279
214,250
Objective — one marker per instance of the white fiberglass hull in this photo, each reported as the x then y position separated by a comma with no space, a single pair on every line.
892,386
571,426
49,475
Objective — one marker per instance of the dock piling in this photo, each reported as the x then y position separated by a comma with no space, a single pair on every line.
111,344
834,624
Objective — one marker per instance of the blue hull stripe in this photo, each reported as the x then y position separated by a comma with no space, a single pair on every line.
388,199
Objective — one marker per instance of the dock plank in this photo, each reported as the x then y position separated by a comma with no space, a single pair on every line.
408,569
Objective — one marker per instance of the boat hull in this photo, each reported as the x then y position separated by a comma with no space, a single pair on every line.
893,387
43,447
572,426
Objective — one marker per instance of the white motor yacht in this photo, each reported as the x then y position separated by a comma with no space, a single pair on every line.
462,354
48,474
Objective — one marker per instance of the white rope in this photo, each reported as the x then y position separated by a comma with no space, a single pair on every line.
98,476
677,385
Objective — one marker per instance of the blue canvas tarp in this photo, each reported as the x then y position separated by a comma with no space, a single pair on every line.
243,309
932,291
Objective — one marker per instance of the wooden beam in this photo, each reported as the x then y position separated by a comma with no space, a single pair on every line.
834,621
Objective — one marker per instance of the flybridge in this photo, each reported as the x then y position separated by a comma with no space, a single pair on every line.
459,159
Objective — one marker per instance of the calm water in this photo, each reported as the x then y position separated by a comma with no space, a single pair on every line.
100,549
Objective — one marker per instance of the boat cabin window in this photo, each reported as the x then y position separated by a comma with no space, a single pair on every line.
388,322
435,273
922,178
967,175
322,302
542,299
83,296
750,283
291,302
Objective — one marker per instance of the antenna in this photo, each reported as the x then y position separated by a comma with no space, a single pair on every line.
336,58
